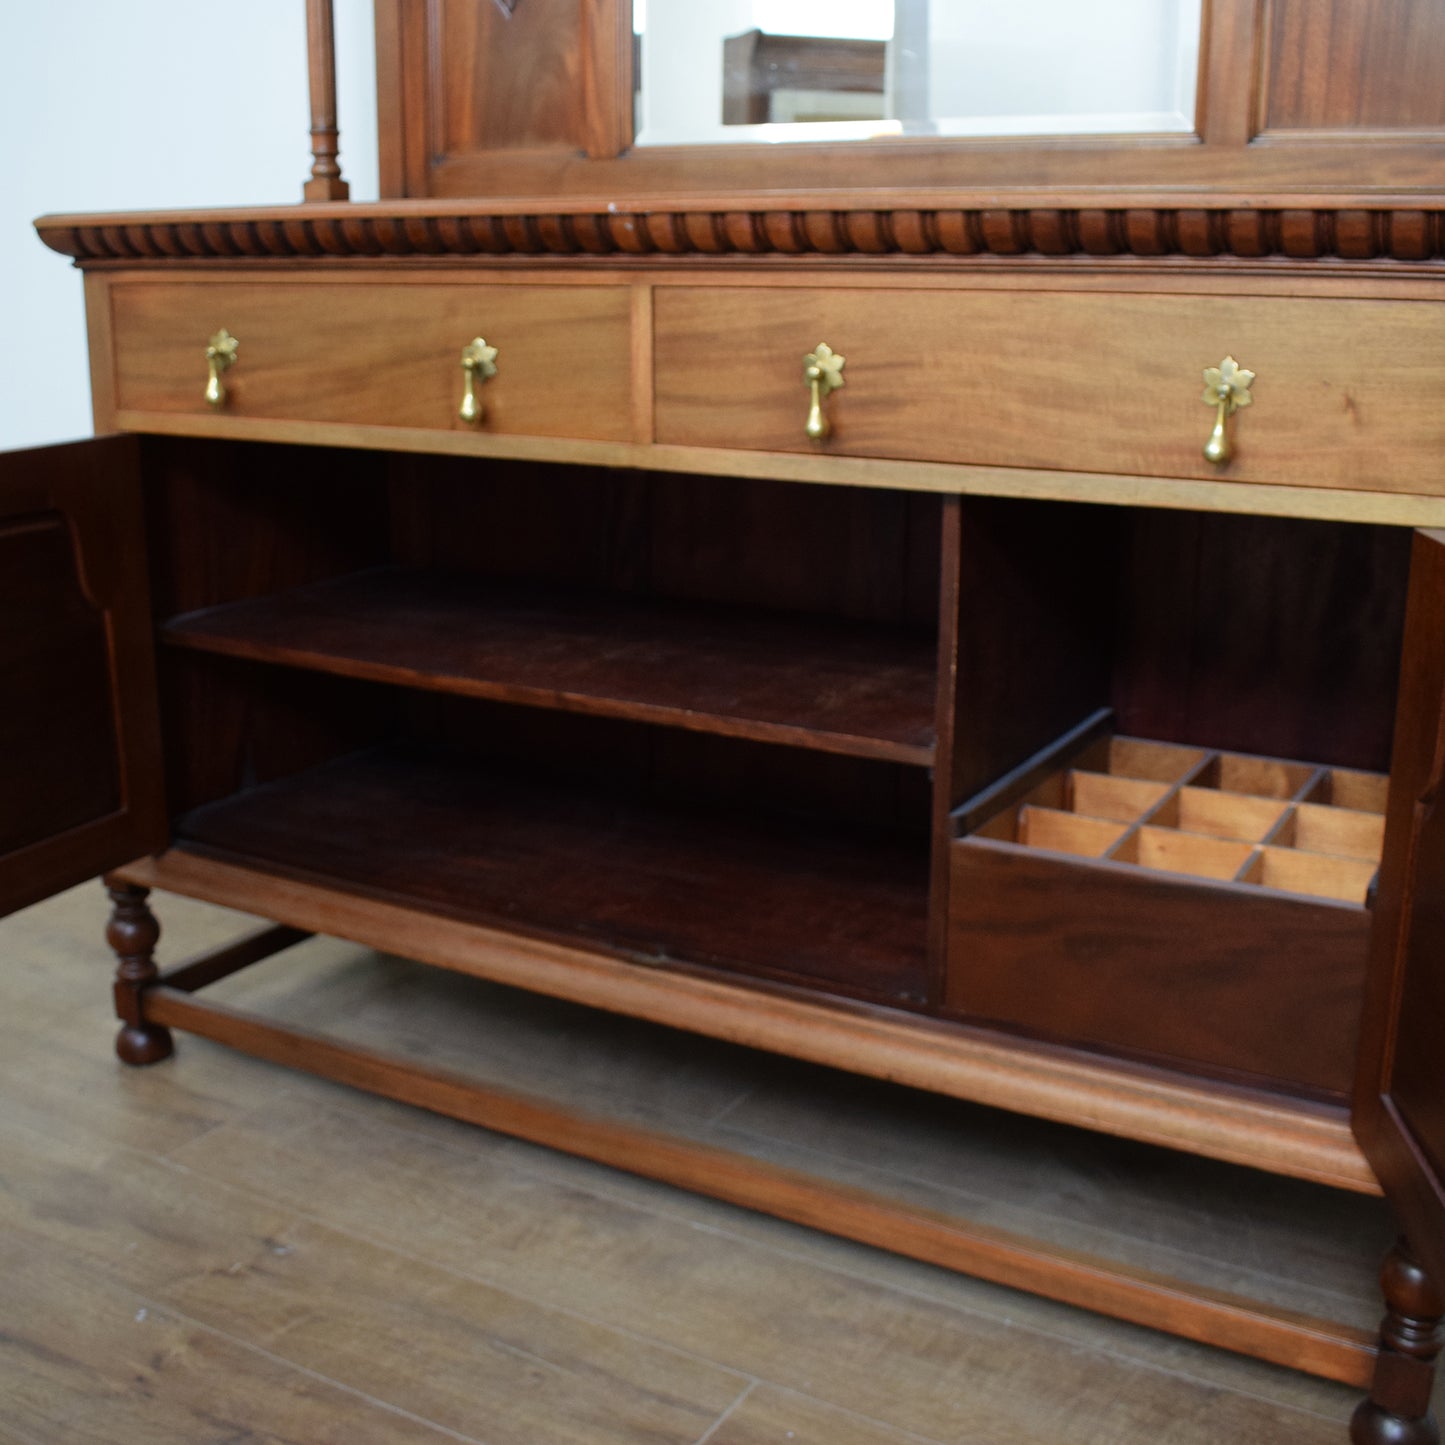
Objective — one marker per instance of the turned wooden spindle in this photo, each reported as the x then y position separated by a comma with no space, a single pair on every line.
133,933
326,183
1398,1410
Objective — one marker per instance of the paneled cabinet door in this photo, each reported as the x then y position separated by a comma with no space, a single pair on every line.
80,773
1400,1100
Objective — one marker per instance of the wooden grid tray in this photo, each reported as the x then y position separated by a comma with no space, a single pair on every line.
1231,817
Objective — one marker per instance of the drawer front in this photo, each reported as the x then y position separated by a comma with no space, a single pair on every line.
1349,393
383,355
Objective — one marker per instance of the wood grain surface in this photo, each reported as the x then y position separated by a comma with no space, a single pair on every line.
842,909
1342,65
383,354
1088,382
80,751
771,677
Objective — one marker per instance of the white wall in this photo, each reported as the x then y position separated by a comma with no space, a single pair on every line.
146,104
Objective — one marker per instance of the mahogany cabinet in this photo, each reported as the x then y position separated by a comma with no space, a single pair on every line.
994,741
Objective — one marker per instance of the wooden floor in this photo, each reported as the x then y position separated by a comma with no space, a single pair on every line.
214,1249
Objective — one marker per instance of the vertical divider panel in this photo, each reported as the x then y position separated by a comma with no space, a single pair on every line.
643,390
607,80
1029,609
946,726
1230,104
100,331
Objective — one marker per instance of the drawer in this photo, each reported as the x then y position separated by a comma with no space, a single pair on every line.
1203,908
1348,392
382,354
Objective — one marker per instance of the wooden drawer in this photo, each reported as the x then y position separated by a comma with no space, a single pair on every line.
382,355
1175,903
1349,392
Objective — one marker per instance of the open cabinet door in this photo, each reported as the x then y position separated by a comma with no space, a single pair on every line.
80,764
1399,1109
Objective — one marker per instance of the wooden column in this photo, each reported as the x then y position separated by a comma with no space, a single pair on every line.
326,183
133,933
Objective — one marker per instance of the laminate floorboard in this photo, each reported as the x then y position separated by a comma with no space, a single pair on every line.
313,1264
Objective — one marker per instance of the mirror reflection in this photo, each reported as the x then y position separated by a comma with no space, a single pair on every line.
780,70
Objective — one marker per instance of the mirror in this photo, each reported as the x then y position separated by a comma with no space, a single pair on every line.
795,70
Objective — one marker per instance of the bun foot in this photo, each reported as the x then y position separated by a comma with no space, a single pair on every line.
1374,1425
1398,1410
138,1044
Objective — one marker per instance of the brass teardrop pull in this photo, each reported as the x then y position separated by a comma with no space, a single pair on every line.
479,363
1226,388
220,356
823,373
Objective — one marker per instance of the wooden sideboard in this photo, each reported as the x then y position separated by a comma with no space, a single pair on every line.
995,742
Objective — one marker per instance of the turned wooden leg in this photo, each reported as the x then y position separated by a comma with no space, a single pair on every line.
133,933
1398,1410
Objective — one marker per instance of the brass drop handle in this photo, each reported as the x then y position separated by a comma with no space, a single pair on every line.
823,372
1226,389
220,356
479,363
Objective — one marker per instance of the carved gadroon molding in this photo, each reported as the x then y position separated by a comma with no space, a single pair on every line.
662,232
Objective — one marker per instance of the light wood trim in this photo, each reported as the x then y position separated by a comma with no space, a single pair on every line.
1230,72
100,332
1252,499
390,106
622,202
1166,278
606,78
325,182
643,408
208,968
1303,1342
1278,1136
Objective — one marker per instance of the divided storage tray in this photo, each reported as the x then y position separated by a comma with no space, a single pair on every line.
1201,907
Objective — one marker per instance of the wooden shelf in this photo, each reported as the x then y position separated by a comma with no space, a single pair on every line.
853,688
842,908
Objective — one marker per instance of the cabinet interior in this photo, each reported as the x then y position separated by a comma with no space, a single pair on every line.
815,735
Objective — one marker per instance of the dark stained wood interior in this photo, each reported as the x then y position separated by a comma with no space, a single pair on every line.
853,552
1398,1104
844,688
1262,635
54,672
80,763
842,909
1158,967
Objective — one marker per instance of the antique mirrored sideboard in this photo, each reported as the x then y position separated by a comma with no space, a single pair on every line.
960,600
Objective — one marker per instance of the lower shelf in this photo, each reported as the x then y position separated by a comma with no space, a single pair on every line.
841,908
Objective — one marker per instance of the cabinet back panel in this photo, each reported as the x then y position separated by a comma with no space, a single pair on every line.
1262,635
665,763
849,551
231,520
230,725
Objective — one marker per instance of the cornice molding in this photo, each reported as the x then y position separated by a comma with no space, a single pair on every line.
1366,232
